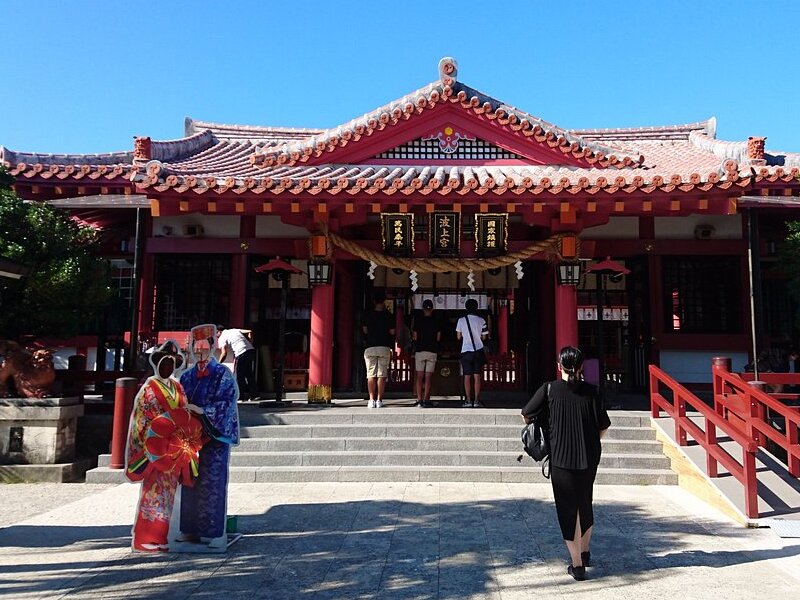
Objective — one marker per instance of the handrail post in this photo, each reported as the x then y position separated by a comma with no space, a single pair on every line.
791,439
655,410
680,417
124,392
750,484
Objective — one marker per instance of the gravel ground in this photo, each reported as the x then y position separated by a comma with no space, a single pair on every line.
20,501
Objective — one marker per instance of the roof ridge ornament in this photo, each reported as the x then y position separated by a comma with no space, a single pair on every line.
448,70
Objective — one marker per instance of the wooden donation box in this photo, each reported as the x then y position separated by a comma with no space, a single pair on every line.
446,380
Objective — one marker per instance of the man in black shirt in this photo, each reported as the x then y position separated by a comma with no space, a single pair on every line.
378,327
426,334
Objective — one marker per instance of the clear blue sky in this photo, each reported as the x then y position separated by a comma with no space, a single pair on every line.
88,76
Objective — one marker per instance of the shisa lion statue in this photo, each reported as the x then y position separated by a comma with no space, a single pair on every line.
31,372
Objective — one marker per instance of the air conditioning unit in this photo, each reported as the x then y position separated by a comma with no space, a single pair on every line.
704,231
193,230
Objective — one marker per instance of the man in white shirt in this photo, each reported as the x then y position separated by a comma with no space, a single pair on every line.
472,330
239,341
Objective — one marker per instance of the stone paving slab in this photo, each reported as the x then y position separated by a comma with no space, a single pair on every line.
396,540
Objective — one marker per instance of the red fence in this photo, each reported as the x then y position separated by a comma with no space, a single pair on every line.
742,412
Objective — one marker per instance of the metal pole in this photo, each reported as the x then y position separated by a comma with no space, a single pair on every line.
133,349
754,333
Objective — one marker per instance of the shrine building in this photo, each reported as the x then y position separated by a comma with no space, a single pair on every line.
631,243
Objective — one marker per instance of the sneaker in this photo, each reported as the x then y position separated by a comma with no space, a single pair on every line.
378,404
467,404
371,404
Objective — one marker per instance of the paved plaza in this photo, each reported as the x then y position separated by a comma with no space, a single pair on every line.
391,540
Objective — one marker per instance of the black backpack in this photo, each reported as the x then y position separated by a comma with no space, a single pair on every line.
536,444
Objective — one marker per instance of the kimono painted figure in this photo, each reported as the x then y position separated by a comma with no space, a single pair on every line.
211,386
147,459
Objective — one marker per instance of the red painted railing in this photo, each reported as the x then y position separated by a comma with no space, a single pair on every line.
675,406
758,411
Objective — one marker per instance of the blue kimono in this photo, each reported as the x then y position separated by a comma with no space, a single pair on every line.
203,506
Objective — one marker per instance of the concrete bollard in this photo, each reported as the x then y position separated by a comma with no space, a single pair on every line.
124,392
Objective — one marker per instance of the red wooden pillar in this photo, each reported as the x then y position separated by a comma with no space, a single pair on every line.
320,363
345,322
502,327
566,316
238,290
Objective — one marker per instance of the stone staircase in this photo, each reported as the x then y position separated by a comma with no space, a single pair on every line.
413,444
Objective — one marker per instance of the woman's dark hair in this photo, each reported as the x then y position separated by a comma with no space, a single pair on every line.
571,361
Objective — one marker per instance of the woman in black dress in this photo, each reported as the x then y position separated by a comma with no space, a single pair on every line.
574,414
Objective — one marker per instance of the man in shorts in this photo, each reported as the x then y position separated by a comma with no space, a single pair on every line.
472,331
378,327
426,334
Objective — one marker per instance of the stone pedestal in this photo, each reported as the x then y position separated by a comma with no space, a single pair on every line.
37,436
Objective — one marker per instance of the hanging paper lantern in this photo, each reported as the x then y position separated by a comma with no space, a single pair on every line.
173,442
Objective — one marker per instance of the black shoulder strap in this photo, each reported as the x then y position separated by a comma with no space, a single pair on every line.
466,318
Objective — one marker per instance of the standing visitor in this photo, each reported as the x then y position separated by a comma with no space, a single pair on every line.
426,334
378,327
573,413
210,386
240,342
472,331
160,400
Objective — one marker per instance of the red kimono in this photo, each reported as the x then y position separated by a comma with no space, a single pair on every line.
155,398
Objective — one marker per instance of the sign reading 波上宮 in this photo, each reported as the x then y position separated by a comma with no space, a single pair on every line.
398,233
445,234
491,233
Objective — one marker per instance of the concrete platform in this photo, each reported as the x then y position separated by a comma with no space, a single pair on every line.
398,541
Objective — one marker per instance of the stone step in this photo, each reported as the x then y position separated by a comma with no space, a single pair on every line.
521,474
433,459
253,416
381,444
423,430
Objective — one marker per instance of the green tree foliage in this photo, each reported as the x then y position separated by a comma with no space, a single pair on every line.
67,285
790,262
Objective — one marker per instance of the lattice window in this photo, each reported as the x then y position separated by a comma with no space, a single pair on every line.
431,149
191,290
702,295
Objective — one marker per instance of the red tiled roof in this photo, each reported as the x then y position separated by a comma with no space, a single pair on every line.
222,158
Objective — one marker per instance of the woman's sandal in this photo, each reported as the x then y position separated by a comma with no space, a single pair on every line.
578,573
586,558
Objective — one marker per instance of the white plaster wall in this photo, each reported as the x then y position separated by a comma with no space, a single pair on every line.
726,227
687,366
617,227
271,226
214,226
